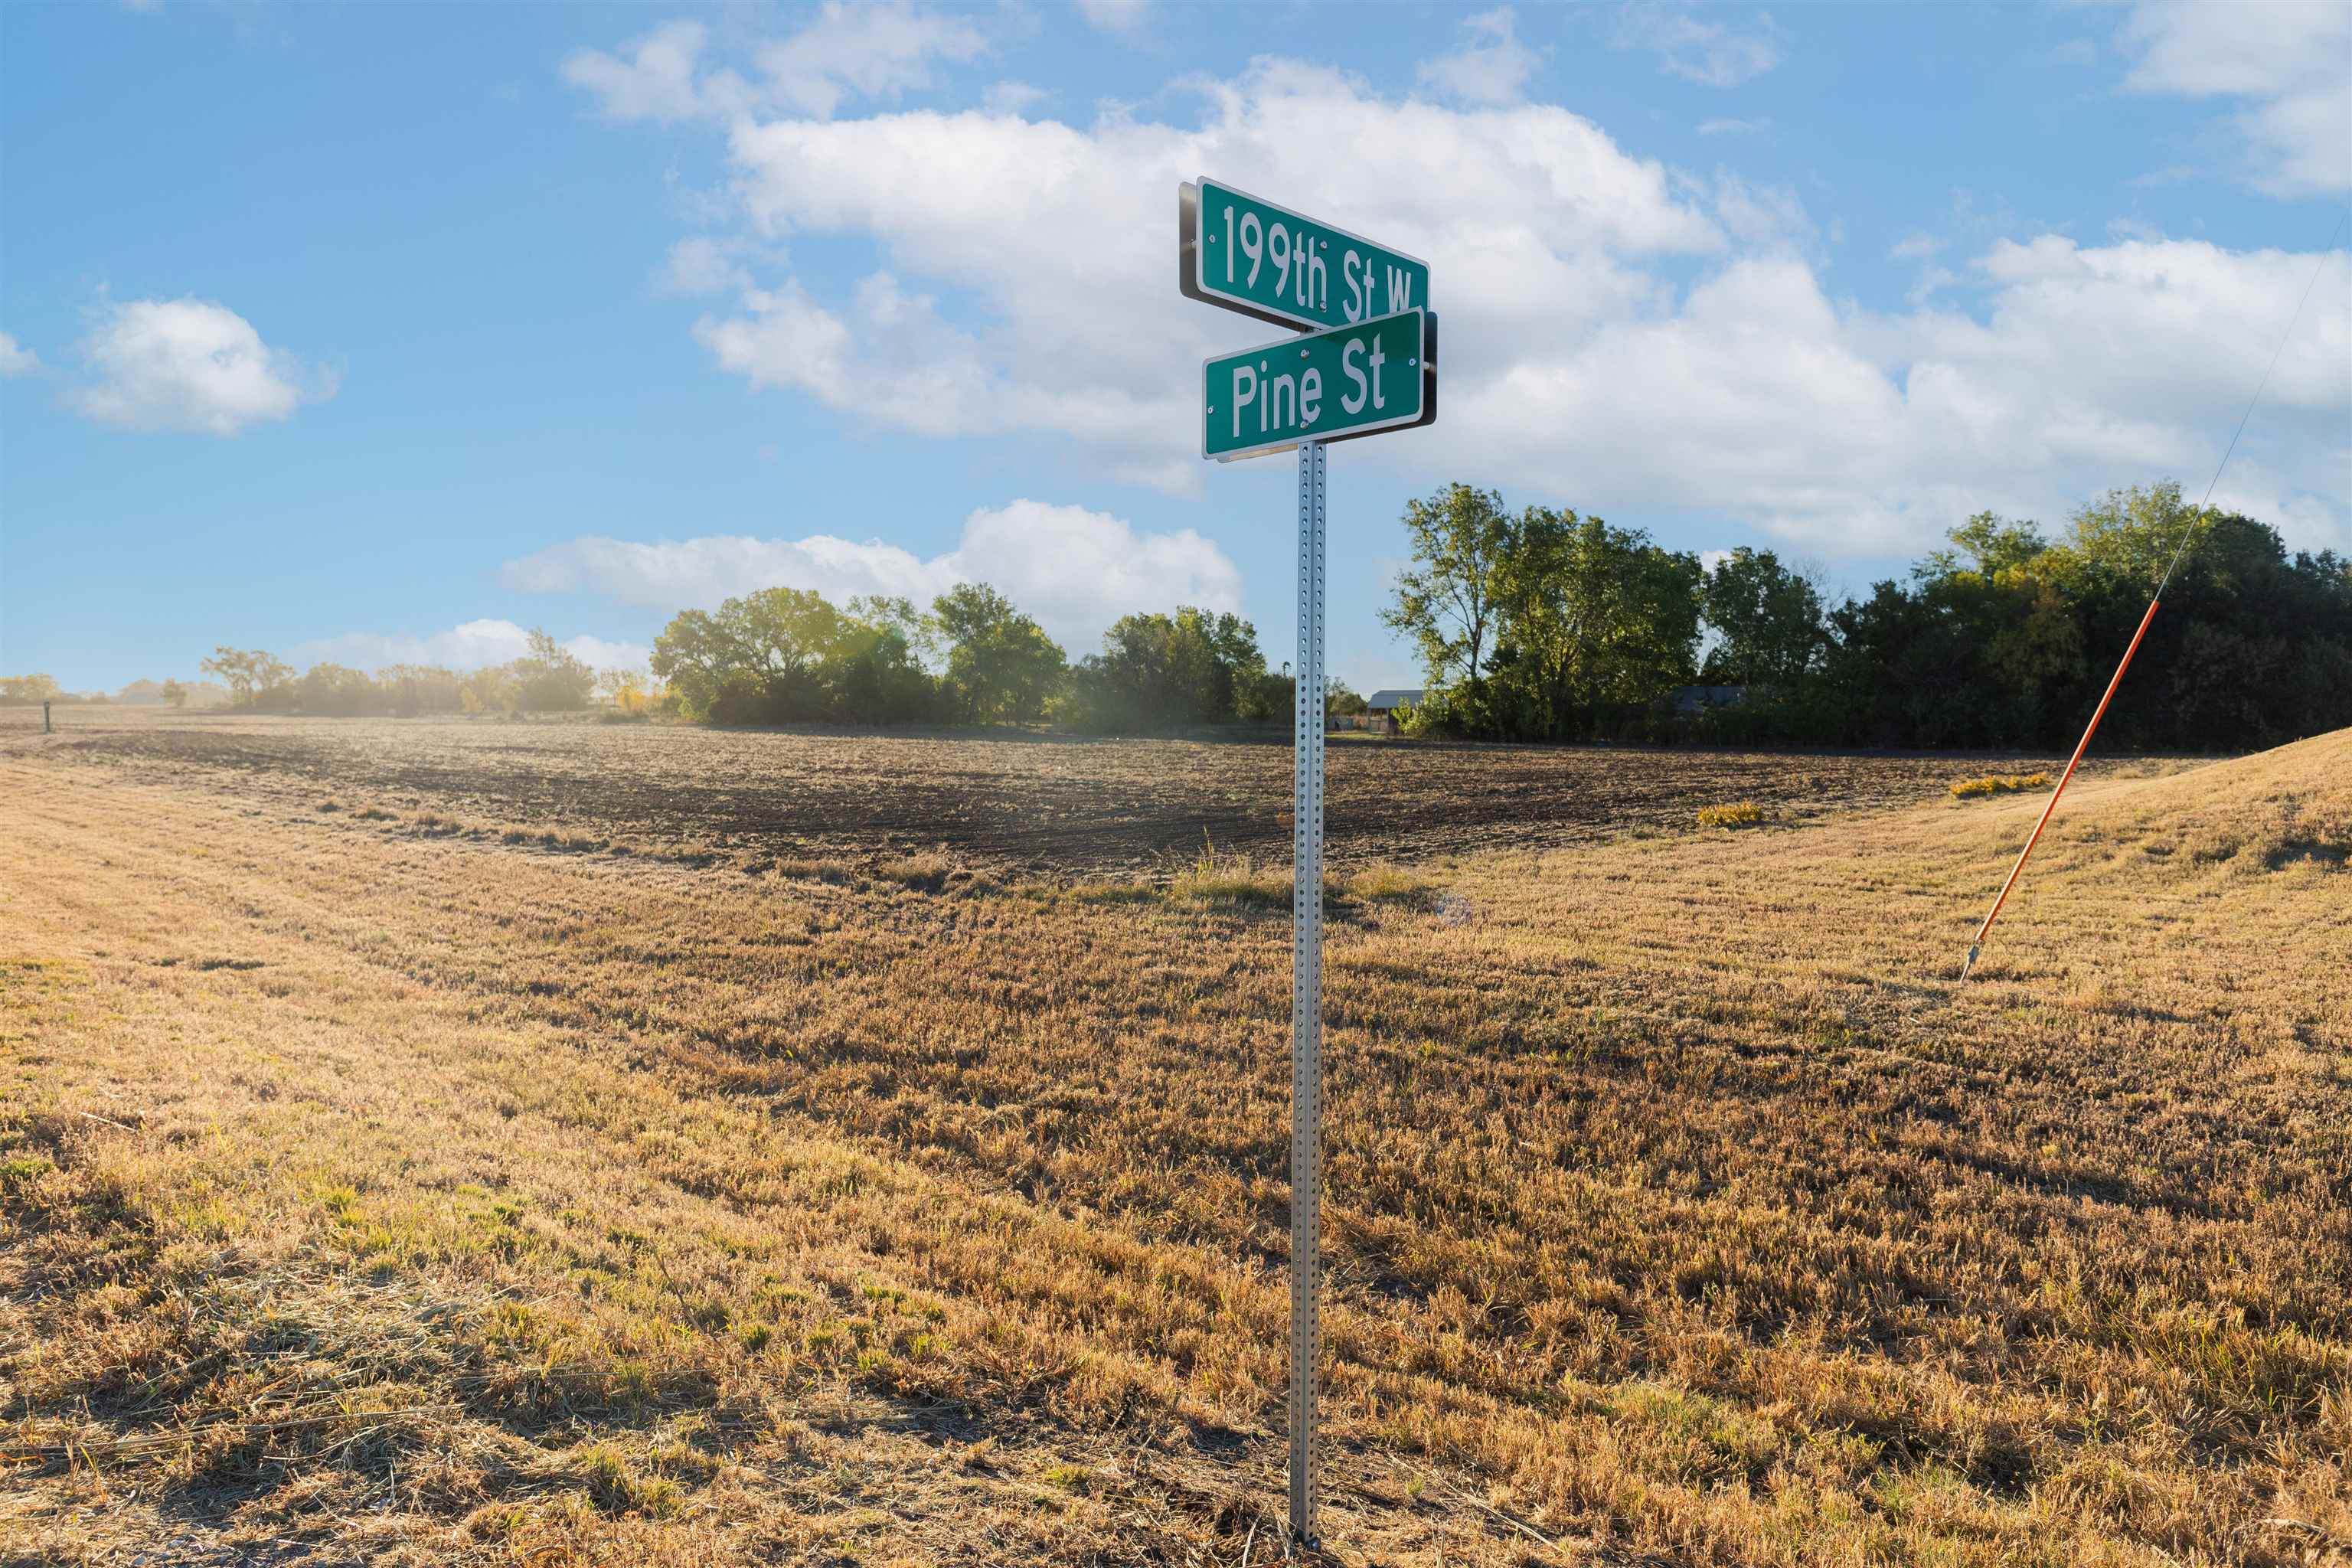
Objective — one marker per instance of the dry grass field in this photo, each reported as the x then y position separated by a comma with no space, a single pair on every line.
416,1150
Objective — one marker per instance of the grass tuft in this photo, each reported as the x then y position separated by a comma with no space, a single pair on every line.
1998,783
1226,877
1386,884
796,869
1741,813
926,873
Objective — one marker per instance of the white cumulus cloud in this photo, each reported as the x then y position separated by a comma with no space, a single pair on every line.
1491,67
1115,15
1076,569
656,80
1711,53
188,364
15,359
705,264
470,645
1859,432
2288,61
1620,336
1061,234
872,50
1012,98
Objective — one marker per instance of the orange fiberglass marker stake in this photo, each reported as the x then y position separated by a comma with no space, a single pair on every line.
2080,746
2187,533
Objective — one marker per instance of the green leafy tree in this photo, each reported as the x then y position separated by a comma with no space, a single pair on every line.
787,654
409,689
873,674
899,615
175,694
2008,638
1770,621
1164,672
253,679
2127,535
1446,602
336,690
491,690
749,657
2248,647
628,690
1992,544
1268,695
1598,624
1001,668
550,677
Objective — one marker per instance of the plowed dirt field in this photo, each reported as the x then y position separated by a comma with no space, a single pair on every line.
1016,801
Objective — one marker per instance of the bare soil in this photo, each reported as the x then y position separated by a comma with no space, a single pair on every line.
1039,803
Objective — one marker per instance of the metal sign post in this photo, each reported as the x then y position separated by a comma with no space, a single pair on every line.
1367,364
1307,994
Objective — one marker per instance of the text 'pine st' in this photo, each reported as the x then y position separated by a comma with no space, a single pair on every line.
1331,386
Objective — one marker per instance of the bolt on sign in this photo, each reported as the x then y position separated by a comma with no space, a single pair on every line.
1366,363
1331,386
1237,251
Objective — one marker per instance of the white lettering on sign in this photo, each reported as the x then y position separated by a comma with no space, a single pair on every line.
1330,386
1248,255
1301,271
1364,388
1400,291
1285,402
1357,284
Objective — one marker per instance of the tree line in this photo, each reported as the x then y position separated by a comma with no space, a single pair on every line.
781,656
1545,625
1539,625
30,690
548,676
788,655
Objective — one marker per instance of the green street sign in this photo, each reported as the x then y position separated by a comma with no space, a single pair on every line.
1331,386
1251,256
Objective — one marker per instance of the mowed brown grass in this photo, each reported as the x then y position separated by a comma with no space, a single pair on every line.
380,1189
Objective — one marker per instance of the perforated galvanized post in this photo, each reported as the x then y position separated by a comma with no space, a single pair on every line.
1306,995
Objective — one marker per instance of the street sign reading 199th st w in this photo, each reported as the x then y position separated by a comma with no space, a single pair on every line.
1367,363
1246,254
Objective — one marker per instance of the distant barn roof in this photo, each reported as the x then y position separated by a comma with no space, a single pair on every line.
1387,701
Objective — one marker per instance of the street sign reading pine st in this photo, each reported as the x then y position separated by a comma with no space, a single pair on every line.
1247,254
1326,386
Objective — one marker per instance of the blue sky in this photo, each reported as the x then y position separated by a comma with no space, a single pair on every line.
378,332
